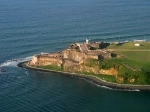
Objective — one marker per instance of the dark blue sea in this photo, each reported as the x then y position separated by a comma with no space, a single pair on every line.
29,27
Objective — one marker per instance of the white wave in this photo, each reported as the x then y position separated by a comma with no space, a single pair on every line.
19,77
15,62
27,72
118,89
106,87
44,53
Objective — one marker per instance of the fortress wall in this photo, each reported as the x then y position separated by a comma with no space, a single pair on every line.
34,60
70,63
96,45
72,68
43,60
57,55
49,61
74,55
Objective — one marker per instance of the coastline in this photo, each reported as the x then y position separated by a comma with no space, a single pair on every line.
92,78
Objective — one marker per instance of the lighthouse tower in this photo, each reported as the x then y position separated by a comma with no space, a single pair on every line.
87,41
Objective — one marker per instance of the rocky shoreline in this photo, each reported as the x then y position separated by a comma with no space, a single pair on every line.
93,79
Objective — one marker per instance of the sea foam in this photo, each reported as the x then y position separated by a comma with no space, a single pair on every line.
15,62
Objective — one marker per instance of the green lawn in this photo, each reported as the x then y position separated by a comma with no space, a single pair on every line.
130,46
137,59
51,67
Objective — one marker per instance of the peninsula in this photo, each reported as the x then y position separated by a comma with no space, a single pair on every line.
121,65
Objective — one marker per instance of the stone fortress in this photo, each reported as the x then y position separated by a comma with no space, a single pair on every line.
90,60
72,57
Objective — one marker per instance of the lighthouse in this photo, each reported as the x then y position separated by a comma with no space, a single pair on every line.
87,41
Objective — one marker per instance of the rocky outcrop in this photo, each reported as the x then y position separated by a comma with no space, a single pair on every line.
111,71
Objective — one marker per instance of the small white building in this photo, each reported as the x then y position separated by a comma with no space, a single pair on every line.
136,44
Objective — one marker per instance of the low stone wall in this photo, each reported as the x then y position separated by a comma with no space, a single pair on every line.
93,79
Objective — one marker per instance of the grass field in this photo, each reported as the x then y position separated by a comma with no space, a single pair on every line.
130,46
51,67
134,61
137,59
140,58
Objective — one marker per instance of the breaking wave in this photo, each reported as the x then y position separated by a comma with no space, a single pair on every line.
15,62
106,87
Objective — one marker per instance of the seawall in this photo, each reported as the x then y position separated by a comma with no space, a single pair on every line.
92,78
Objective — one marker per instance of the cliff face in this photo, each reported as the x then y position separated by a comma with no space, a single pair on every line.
93,69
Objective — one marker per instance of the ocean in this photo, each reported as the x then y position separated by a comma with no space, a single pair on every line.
29,27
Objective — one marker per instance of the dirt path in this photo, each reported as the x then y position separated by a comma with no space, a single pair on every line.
131,68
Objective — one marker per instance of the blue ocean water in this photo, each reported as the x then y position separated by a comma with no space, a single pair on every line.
33,26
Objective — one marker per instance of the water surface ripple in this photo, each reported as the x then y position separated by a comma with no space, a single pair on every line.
33,26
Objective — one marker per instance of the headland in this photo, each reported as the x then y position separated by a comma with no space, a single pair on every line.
119,65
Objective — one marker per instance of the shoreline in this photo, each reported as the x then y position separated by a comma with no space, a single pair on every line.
94,79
